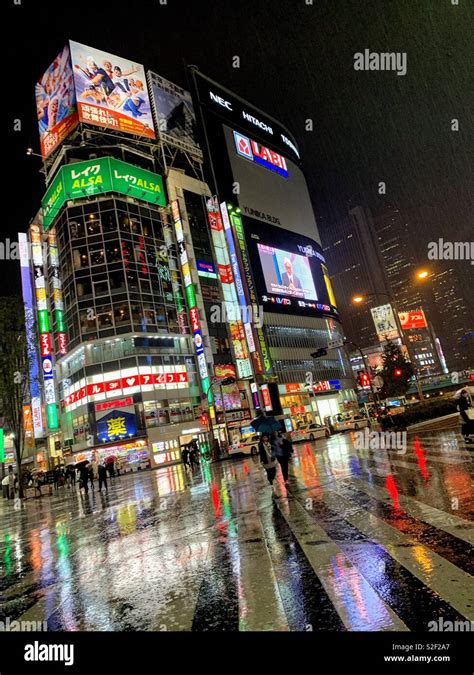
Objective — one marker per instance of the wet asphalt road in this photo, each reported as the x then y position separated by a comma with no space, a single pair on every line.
362,540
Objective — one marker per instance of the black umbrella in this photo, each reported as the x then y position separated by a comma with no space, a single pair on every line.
79,465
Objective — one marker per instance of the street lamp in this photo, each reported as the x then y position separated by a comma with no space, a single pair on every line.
421,275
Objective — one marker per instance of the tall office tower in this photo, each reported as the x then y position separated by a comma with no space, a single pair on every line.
356,266
455,314
398,246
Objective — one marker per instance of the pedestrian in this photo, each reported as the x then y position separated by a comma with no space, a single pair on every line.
102,471
111,468
267,458
56,475
84,478
283,450
11,483
118,466
194,455
185,457
90,471
467,415
71,472
37,484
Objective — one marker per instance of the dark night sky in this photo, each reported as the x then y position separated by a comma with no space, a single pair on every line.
296,63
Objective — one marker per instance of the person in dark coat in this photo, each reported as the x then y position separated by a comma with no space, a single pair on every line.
266,453
464,406
194,455
185,457
102,471
84,475
283,450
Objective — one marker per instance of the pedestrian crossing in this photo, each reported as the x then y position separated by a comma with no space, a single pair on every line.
360,541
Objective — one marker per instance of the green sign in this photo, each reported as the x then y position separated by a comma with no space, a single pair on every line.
190,296
58,315
52,416
97,176
43,321
2,447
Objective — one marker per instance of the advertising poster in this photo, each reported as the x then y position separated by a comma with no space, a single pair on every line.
384,322
56,103
412,319
111,92
173,110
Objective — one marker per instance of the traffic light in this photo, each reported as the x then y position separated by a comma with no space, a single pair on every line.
319,352
397,372
363,379
204,420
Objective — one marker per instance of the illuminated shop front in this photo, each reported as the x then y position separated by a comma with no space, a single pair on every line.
305,405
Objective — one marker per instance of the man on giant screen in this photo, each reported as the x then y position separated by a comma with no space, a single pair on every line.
288,278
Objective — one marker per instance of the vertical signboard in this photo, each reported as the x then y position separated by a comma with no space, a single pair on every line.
46,355
191,302
57,293
264,365
230,293
31,347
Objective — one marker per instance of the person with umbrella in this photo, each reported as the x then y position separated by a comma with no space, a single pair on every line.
267,458
84,475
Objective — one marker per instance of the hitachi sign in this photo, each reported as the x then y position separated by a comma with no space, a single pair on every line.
221,101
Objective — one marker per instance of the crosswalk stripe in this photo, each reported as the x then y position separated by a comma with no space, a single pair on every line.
357,603
457,527
449,582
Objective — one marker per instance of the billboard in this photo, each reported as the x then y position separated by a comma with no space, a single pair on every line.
97,176
174,112
56,103
286,273
412,319
111,92
289,271
384,322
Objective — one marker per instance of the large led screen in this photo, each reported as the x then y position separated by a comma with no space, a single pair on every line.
111,91
286,273
56,103
289,271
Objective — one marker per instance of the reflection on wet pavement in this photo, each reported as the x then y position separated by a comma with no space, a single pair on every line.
361,540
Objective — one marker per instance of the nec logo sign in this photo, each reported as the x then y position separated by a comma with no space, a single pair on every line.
221,101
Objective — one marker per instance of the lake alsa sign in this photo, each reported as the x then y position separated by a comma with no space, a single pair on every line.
97,176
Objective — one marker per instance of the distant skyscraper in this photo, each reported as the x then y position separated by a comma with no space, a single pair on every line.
357,266
454,317
397,245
